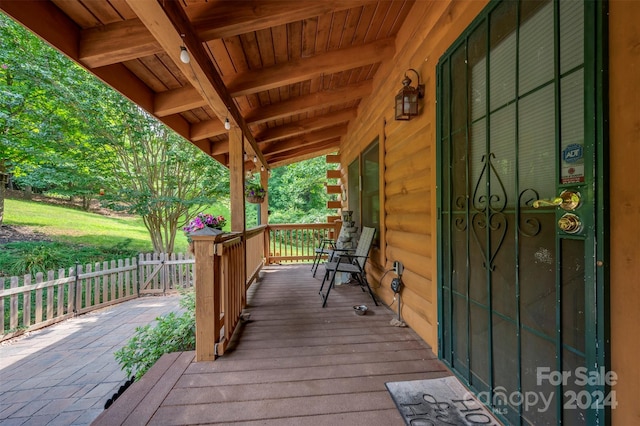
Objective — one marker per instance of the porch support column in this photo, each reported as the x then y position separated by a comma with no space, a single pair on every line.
264,213
264,207
236,178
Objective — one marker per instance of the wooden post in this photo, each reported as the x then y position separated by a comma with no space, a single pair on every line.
207,286
264,207
264,213
236,176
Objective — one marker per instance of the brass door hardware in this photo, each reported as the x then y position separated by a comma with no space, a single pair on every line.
570,223
567,200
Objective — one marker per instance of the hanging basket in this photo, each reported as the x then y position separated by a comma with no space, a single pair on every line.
255,199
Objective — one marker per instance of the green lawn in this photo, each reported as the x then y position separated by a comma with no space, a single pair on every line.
76,236
76,226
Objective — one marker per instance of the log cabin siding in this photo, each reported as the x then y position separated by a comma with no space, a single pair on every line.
409,176
624,175
408,193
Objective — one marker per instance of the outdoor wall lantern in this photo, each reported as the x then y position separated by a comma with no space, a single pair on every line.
407,98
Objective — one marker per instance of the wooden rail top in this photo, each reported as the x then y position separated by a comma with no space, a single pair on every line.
301,225
255,231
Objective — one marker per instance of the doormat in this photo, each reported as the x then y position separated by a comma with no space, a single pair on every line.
442,401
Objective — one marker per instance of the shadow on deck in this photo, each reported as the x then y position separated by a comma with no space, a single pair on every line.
292,363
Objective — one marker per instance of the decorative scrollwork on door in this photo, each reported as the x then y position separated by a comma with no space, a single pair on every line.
460,222
488,212
529,226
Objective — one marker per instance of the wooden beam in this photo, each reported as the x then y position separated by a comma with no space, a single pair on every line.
116,42
334,204
177,101
334,189
170,26
272,148
306,139
307,68
312,102
280,162
228,19
204,146
47,21
305,126
333,159
334,174
308,151
207,129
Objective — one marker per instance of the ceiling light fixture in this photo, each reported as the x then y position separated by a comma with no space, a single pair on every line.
227,124
255,159
184,55
262,168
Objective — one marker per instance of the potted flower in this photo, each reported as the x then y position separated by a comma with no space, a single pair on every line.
254,192
204,224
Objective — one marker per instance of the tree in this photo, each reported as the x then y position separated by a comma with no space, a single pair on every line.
64,131
161,177
46,119
297,192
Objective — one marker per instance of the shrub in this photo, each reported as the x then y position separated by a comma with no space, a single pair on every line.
30,257
171,333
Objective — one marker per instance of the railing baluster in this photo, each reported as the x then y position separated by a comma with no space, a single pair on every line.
297,242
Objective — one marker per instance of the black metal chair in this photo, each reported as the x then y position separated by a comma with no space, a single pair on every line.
327,246
352,262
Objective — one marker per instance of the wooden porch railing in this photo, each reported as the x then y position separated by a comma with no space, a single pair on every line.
255,252
297,242
225,266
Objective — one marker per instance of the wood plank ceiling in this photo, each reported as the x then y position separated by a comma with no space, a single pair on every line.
290,73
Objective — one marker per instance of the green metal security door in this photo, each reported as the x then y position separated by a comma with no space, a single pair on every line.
517,145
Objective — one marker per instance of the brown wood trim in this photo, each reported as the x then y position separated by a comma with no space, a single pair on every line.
334,174
334,189
256,230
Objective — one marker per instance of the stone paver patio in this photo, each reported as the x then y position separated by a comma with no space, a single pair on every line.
65,373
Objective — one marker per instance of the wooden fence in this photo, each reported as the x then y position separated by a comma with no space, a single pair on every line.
28,303
297,242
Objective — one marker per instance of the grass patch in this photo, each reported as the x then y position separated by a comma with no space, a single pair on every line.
67,225
77,236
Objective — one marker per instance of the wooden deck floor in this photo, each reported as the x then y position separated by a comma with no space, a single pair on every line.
294,363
